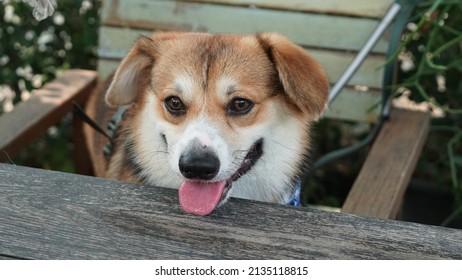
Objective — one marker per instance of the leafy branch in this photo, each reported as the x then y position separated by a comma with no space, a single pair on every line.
432,19
435,43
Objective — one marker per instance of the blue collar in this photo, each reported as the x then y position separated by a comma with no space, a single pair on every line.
295,198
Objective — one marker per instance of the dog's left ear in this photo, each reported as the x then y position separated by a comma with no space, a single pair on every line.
304,81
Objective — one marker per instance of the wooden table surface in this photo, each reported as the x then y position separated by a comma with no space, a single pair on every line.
53,215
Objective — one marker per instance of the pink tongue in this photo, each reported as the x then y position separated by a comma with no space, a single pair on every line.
200,198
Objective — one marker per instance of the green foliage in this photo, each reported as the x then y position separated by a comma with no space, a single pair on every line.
434,45
33,52
430,73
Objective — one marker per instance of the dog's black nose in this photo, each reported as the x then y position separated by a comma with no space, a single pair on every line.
199,165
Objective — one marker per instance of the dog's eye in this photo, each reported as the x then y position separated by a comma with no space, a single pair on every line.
239,106
174,105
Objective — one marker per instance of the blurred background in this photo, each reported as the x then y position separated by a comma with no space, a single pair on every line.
430,78
32,53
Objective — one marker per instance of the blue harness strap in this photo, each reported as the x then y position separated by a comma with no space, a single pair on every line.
295,198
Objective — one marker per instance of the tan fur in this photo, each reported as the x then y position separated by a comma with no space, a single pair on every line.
277,75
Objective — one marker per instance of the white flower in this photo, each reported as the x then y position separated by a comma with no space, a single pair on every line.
10,16
6,98
42,8
58,19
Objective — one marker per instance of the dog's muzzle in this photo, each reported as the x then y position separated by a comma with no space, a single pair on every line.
199,194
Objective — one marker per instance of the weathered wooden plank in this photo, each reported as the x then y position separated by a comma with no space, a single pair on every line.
359,8
379,188
47,106
115,43
52,215
318,30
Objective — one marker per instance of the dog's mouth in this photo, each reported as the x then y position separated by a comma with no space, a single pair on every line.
202,197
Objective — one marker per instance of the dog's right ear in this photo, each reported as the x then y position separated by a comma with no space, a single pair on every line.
134,71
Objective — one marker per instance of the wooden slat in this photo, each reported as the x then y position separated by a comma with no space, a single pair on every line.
359,8
379,188
318,30
353,105
47,106
115,43
52,215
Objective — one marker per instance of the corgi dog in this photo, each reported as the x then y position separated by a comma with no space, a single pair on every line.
214,116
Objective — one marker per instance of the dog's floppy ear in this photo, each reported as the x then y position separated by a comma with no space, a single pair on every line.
134,71
304,81
132,75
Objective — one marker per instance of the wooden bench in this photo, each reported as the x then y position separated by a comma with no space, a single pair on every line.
52,215
331,31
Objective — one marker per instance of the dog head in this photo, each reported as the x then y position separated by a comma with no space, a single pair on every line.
219,115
